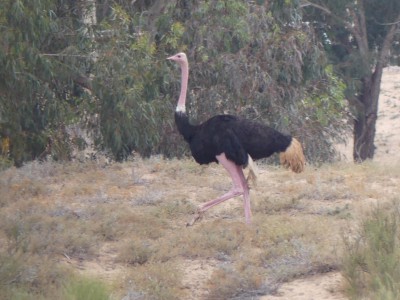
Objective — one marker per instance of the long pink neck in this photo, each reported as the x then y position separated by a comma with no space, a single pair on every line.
181,107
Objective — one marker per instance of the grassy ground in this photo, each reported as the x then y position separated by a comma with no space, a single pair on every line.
69,231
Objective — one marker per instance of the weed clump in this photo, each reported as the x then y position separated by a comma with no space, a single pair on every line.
86,288
371,264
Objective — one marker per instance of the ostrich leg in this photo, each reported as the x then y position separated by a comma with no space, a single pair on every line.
240,187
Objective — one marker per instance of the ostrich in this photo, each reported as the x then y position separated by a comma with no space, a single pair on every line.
232,142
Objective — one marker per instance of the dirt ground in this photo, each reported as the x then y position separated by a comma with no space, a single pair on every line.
328,286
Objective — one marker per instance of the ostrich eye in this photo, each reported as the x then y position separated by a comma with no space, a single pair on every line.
179,56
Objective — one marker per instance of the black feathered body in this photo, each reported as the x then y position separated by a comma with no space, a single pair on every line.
234,136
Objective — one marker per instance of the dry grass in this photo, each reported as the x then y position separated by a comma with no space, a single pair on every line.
122,227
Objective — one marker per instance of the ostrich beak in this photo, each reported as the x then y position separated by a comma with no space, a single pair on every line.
170,58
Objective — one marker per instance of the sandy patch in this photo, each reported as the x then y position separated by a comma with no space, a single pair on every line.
318,287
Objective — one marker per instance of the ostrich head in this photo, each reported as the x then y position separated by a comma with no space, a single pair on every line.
180,58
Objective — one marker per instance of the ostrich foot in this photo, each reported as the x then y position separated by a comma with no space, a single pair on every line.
197,216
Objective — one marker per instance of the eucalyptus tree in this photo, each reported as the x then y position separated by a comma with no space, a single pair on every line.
42,63
262,62
360,36
255,59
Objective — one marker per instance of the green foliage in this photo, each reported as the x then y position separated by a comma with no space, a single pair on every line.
24,277
263,69
378,17
128,86
256,60
341,45
37,90
159,281
286,11
86,289
371,263
325,108
360,38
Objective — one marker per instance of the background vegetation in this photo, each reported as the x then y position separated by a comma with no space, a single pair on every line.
360,37
94,72
82,71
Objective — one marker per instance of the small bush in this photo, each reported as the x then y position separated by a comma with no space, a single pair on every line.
23,276
372,260
135,253
5,163
228,283
175,209
270,205
158,281
86,289
207,240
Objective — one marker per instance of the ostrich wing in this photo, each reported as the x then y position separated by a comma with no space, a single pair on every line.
229,143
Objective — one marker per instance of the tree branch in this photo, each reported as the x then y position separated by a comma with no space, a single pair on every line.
320,7
360,30
388,41
387,24
328,12
65,55
363,24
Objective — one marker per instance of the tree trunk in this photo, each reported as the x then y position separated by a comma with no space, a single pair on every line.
365,122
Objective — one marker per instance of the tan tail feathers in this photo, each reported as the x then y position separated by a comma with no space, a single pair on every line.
253,172
293,157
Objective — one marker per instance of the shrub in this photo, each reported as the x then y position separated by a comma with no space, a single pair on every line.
372,260
86,289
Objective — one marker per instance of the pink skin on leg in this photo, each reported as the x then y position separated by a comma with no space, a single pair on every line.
240,187
246,196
